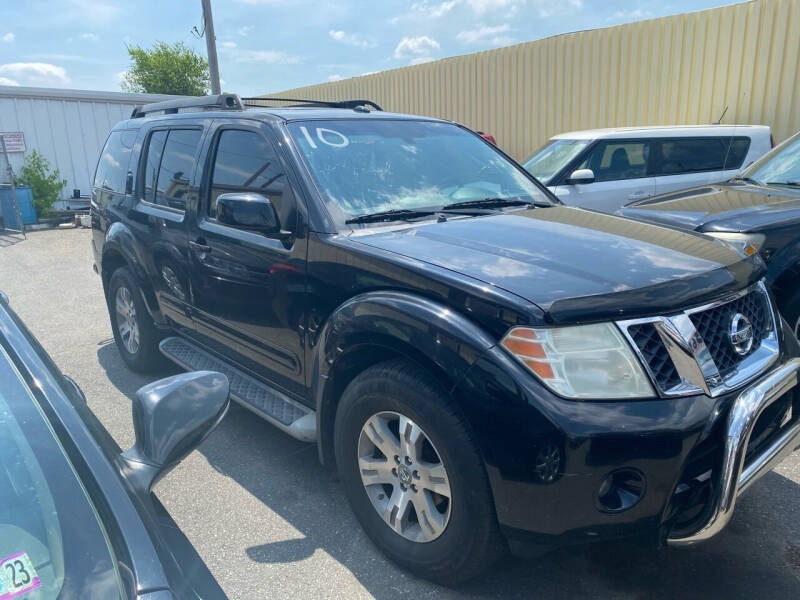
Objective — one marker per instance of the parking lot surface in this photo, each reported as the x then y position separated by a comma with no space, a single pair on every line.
270,521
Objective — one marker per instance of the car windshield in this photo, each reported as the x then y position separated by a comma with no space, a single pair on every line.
552,157
781,167
52,544
368,166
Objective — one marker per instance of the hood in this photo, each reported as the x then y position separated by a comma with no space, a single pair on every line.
723,207
578,265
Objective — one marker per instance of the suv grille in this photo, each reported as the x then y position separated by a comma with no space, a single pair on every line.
713,325
648,341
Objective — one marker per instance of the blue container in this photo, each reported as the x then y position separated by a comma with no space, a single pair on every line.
25,202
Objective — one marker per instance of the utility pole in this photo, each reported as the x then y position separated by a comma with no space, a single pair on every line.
211,46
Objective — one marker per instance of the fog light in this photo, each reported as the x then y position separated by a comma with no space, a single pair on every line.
620,490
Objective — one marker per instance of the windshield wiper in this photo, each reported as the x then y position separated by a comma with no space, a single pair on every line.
789,183
396,214
747,180
488,203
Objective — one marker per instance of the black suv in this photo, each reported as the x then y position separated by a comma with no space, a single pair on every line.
759,210
483,367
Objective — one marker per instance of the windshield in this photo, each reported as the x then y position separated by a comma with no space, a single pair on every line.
780,167
369,166
51,542
552,157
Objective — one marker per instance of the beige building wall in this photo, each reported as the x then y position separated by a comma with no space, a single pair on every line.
683,69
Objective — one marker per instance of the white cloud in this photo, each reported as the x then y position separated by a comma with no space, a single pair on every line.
243,31
416,47
36,73
421,59
120,77
91,37
481,7
7,37
335,77
270,57
432,9
484,33
350,39
630,15
7,81
227,44
260,1
510,8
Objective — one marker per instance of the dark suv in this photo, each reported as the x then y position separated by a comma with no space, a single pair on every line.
483,367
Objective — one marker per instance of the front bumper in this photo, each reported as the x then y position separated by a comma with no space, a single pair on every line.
735,475
695,454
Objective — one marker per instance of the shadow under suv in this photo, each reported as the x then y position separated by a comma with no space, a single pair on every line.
483,367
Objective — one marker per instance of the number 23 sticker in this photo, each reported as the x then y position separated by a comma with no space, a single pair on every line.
17,576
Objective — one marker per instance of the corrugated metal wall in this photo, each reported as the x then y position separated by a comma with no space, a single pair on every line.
682,69
68,127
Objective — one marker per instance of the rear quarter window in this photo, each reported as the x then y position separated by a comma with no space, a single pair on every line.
112,168
739,146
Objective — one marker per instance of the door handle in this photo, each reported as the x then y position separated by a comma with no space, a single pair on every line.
639,194
199,247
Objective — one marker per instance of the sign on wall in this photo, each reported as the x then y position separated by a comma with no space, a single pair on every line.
15,141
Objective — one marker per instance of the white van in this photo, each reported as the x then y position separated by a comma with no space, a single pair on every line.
603,169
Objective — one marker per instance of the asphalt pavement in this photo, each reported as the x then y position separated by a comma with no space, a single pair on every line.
271,522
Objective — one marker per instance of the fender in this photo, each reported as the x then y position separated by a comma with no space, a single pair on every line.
400,322
119,240
782,271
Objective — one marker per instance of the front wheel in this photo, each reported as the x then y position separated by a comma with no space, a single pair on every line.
413,474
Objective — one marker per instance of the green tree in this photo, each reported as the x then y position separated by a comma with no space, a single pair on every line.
167,69
45,184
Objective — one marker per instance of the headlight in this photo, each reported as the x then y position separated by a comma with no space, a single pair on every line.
584,361
749,243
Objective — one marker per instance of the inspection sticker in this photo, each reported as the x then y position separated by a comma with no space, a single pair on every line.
17,576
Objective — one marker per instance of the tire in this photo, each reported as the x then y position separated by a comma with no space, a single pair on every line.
458,535
140,354
791,312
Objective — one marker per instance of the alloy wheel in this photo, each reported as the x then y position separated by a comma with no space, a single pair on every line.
404,476
127,325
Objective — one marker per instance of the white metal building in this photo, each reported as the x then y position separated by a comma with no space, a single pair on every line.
68,127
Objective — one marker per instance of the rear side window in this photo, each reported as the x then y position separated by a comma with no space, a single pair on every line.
112,168
246,162
687,155
169,165
615,160
155,147
737,152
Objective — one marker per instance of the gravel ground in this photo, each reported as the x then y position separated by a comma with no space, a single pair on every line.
271,522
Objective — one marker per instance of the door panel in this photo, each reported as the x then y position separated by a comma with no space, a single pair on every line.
164,190
249,289
606,196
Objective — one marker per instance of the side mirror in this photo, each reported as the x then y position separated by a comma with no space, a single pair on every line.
248,210
581,176
170,418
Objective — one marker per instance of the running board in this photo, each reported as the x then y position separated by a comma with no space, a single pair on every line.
298,421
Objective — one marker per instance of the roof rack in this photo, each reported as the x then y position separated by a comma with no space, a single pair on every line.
171,107
306,102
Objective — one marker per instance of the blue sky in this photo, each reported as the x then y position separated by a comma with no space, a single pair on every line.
272,45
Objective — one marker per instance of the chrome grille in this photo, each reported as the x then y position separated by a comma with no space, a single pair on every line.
692,351
713,325
654,353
